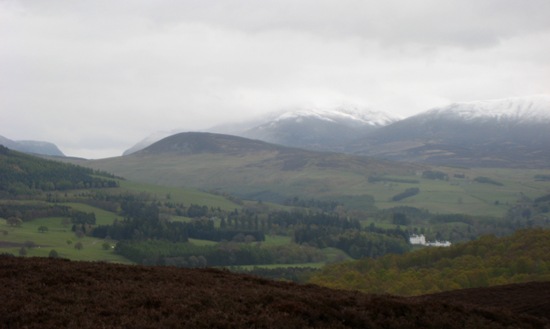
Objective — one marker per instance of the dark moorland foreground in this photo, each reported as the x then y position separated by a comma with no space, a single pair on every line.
55,293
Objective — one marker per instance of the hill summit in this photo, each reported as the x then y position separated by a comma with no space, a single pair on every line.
189,143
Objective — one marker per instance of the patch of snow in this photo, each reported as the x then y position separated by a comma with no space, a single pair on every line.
340,114
530,108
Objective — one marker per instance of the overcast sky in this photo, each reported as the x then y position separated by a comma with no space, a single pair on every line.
95,77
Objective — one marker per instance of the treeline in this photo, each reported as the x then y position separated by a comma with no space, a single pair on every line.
488,261
406,194
116,202
227,253
26,174
141,225
525,213
27,212
435,174
312,203
487,180
356,243
143,221
376,179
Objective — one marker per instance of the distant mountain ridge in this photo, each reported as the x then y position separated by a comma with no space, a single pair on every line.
32,147
509,132
516,109
322,129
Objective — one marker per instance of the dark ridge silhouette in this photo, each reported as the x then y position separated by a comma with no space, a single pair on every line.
198,142
53,293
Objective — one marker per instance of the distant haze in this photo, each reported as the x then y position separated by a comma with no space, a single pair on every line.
95,77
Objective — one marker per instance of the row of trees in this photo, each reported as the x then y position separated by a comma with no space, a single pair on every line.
406,194
228,253
356,243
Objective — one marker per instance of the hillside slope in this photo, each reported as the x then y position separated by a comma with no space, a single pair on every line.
248,168
24,173
49,293
489,261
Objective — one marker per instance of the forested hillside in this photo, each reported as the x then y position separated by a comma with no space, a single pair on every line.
489,261
25,174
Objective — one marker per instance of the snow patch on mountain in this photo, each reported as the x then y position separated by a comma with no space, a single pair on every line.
340,114
521,109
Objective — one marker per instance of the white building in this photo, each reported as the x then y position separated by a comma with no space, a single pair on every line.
421,240
417,239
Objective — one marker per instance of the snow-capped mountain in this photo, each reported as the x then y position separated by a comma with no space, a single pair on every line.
504,132
33,147
349,115
519,109
319,129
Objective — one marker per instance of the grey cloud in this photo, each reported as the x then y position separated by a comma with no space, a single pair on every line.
127,68
464,23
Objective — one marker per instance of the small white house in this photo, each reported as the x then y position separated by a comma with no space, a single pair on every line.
421,240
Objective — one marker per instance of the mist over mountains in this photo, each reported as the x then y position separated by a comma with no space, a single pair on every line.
312,129
32,147
320,129
511,132
504,133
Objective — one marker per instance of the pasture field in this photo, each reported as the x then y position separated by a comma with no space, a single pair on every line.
103,217
58,237
464,195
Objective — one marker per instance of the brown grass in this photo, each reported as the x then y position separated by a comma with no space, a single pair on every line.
50,293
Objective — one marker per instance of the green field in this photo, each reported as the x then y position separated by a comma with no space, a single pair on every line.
185,195
58,237
463,195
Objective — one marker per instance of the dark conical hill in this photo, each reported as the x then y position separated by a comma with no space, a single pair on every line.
198,143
